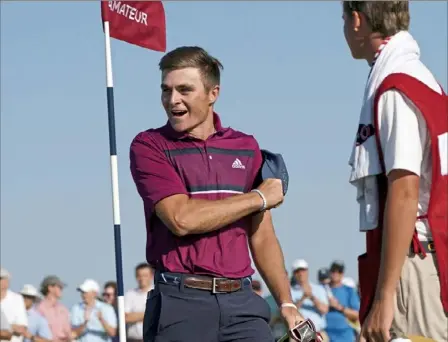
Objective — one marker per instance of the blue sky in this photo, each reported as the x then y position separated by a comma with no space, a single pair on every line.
288,79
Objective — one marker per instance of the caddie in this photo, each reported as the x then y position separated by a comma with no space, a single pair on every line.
399,168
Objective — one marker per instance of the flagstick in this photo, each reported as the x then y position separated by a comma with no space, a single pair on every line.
114,176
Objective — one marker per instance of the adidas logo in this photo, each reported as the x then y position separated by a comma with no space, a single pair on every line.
237,164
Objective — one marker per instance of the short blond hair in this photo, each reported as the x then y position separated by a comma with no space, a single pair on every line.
193,57
384,17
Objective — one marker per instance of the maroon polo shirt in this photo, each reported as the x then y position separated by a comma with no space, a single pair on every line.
164,163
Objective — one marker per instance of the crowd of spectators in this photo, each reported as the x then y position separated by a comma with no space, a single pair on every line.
37,315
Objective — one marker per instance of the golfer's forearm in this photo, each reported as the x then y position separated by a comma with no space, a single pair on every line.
399,219
199,216
269,260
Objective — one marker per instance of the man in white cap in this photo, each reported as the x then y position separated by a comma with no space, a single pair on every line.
92,319
38,328
13,307
310,298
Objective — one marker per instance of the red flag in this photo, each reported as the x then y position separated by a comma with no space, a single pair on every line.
140,23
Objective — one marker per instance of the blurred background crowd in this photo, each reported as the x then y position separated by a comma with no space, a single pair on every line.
36,313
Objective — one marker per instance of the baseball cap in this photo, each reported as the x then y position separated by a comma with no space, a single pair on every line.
29,290
299,264
89,285
337,266
4,273
274,167
323,273
50,281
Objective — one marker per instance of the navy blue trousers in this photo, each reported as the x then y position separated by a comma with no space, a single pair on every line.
175,313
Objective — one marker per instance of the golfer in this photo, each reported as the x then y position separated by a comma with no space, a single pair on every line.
205,208
399,167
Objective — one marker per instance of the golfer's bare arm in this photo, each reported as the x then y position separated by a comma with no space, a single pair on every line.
268,257
159,183
184,215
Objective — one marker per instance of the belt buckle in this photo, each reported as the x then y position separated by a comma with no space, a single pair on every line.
215,285
431,247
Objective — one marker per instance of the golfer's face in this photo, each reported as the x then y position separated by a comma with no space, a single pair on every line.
185,98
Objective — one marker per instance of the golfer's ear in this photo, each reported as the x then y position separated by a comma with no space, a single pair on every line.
213,94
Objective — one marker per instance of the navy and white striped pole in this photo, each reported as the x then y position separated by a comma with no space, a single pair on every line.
114,178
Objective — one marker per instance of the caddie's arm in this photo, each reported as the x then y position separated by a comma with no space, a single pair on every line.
403,150
161,187
268,257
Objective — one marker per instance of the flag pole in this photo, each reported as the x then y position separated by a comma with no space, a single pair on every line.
114,179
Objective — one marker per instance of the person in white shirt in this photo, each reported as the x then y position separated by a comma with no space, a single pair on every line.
5,328
13,307
135,302
403,118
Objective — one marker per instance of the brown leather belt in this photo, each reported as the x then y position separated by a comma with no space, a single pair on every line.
215,285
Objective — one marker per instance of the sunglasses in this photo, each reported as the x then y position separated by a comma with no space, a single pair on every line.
108,294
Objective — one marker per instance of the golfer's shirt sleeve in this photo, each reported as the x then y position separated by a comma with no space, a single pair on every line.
403,133
153,174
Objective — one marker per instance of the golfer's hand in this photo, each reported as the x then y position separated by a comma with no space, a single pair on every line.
272,189
376,327
291,316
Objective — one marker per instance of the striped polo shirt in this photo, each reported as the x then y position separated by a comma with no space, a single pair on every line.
164,163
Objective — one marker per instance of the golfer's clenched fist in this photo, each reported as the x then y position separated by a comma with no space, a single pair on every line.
272,189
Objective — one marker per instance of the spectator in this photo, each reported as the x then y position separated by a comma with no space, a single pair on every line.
135,302
309,297
110,297
5,328
323,276
38,329
92,319
344,307
110,293
13,308
56,314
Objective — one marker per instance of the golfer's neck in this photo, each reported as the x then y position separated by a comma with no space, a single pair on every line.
205,129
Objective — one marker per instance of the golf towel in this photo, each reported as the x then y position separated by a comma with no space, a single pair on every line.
274,167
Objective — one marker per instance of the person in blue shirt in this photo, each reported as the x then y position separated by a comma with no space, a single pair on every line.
38,329
344,307
93,320
310,298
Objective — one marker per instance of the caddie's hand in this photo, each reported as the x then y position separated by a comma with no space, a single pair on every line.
291,316
376,327
272,189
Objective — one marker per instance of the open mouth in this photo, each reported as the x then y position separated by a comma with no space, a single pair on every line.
178,113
